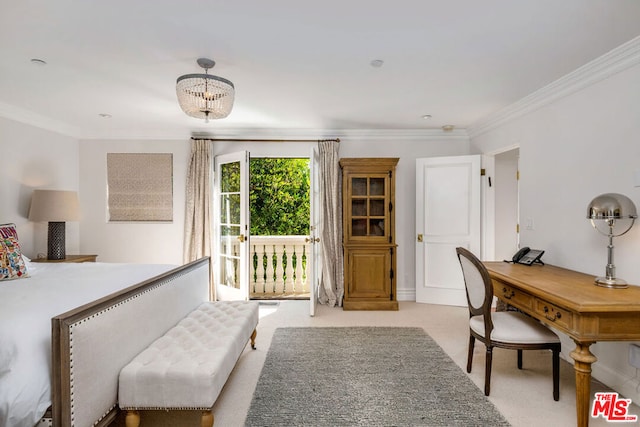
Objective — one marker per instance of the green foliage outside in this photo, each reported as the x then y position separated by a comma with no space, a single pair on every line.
279,196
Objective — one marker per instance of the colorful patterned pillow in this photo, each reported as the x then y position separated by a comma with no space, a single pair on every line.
11,263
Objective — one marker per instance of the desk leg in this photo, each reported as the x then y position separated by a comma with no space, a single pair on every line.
583,359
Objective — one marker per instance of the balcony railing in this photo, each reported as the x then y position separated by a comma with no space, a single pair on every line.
279,267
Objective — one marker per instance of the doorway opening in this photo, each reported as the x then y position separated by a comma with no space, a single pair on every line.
279,210
507,205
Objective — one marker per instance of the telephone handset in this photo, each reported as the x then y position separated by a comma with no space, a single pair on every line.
528,256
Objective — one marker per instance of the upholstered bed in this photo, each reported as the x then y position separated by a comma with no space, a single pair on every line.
66,330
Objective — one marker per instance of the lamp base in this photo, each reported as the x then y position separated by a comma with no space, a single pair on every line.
56,241
611,283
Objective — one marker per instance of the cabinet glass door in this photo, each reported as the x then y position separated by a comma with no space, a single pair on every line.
368,206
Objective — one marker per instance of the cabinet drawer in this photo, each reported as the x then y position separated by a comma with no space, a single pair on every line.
555,315
514,296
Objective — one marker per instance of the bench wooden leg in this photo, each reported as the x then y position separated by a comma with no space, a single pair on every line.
132,419
207,419
253,339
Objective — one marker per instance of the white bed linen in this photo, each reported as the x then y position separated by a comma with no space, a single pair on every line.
26,308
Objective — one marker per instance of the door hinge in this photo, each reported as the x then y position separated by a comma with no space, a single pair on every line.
390,249
390,174
390,206
390,239
518,175
517,228
483,172
391,274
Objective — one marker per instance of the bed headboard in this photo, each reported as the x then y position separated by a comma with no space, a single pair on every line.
91,344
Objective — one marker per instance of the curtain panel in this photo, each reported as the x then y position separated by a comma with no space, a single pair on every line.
198,221
332,284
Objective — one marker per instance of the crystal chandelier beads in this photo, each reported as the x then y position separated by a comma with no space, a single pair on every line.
205,96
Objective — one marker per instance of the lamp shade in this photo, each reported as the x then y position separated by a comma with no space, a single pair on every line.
610,206
54,206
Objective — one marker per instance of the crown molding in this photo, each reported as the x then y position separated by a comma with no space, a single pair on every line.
613,62
288,133
32,119
346,134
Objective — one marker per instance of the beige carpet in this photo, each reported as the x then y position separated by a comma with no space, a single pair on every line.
524,397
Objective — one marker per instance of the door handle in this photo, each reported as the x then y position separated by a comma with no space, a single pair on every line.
420,237
312,240
241,238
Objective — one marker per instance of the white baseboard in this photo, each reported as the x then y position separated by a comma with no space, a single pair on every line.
406,295
625,386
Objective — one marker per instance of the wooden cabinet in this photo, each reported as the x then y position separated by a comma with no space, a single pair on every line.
70,258
368,186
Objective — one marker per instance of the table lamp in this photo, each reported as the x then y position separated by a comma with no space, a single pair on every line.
609,208
55,207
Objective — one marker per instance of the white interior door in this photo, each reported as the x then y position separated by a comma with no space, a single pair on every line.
231,226
447,216
314,230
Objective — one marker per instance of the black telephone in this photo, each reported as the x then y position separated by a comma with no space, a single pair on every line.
528,256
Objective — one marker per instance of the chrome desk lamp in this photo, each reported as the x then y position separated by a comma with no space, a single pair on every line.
611,207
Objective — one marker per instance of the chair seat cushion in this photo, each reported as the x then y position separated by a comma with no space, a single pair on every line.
514,327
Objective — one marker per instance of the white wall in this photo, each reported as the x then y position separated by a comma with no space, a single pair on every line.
571,150
43,159
408,151
33,158
152,243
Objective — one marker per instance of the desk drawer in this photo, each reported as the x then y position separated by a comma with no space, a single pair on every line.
555,315
514,297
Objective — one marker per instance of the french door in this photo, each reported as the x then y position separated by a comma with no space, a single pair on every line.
315,247
231,226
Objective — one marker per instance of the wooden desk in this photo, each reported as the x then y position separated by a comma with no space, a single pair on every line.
570,302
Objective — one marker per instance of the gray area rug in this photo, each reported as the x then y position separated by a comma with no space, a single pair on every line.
365,376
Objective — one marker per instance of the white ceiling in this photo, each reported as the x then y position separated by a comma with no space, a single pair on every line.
296,65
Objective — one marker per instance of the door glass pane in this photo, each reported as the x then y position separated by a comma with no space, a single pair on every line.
359,186
230,177
229,232
376,187
229,272
229,255
230,208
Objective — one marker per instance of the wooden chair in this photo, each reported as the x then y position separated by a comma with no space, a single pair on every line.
508,329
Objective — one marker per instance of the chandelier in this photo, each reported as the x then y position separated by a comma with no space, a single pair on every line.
204,96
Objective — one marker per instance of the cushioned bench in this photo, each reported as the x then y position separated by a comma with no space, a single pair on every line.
187,367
